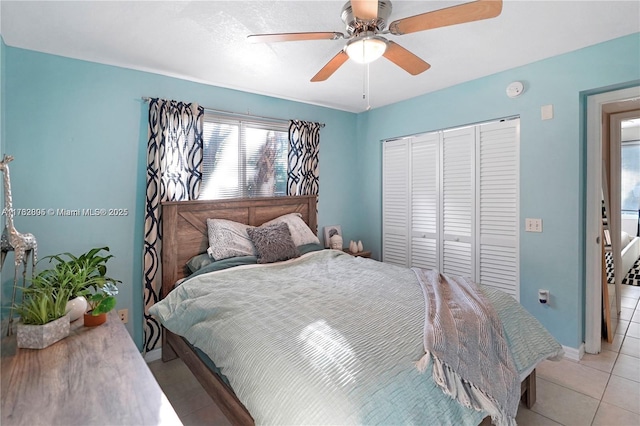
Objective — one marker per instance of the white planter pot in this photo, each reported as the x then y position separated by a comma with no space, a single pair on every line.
76,308
41,336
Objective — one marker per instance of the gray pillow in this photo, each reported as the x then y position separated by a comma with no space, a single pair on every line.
228,239
273,242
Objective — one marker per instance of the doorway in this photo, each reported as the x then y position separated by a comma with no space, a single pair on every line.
600,111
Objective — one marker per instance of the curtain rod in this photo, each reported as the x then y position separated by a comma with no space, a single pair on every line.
237,114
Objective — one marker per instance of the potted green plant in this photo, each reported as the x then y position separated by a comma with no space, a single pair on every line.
43,316
63,277
100,303
83,275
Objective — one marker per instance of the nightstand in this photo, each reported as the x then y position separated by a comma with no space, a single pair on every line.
360,253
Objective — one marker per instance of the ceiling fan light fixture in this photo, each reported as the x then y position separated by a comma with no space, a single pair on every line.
366,49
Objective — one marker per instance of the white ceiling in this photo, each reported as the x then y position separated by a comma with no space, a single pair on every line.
206,42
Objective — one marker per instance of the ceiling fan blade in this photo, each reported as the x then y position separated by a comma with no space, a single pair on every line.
468,12
270,38
331,67
366,10
405,59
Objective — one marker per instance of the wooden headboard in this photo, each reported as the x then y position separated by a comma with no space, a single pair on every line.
184,225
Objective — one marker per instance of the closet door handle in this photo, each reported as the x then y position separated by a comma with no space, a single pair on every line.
598,239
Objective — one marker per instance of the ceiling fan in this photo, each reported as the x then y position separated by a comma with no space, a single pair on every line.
366,20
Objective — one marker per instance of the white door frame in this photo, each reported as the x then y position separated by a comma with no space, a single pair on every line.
593,253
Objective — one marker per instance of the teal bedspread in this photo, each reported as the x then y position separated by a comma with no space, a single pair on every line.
330,339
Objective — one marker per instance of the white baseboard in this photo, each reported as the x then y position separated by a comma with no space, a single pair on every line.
153,355
572,353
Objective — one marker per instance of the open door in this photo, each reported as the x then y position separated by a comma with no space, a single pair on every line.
607,267
599,109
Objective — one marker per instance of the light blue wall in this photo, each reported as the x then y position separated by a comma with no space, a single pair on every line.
78,133
552,162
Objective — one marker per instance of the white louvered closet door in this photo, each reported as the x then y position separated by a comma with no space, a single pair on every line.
425,203
450,202
497,205
395,202
457,228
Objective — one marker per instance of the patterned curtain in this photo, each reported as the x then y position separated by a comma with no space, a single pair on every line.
304,145
174,173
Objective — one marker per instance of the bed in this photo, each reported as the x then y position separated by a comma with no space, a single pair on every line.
234,390
630,252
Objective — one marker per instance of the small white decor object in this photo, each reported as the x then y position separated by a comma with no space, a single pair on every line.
330,231
360,247
335,242
41,336
76,308
353,247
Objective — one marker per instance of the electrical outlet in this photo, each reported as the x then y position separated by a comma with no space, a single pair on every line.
124,315
543,296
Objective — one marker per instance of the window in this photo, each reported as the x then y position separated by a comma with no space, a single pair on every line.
243,158
630,177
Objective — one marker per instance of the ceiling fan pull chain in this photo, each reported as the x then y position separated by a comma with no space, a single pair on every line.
368,89
364,84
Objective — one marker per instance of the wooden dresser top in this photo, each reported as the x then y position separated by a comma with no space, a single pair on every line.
96,376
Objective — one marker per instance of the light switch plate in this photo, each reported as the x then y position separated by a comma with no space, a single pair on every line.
546,112
533,225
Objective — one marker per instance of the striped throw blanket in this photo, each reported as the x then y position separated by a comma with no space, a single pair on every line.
463,337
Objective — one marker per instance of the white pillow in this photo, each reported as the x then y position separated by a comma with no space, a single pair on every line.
624,239
300,233
228,239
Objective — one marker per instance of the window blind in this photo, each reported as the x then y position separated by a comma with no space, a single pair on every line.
243,158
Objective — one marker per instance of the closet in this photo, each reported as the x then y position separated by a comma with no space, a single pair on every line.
450,201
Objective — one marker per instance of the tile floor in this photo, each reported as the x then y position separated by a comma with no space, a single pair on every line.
601,389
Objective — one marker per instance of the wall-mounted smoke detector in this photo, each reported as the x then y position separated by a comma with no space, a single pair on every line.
515,89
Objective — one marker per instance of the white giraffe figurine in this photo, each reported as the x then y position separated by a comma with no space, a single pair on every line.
23,245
